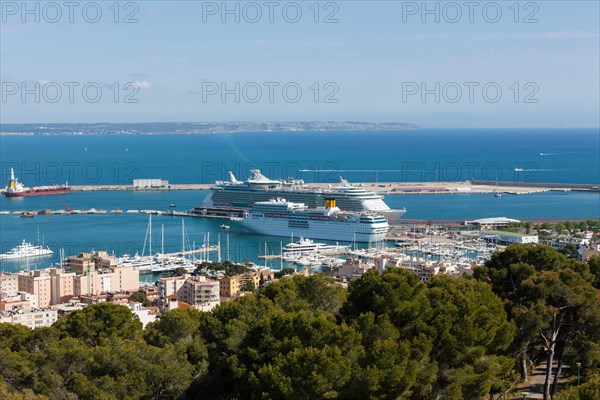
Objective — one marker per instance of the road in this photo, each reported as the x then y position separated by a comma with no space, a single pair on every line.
534,387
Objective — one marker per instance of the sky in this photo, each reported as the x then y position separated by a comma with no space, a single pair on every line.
436,64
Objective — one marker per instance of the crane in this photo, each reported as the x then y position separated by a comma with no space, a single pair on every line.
65,204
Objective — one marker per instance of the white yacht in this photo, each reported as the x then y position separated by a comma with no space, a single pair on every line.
25,250
308,246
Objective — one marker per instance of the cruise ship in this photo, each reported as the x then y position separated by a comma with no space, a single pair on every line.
25,250
259,188
279,217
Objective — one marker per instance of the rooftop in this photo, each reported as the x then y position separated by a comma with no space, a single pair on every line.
495,220
506,233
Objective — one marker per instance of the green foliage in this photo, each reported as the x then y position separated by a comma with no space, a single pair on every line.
100,322
227,267
315,292
471,331
7,394
589,390
507,269
140,297
247,285
569,250
173,326
551,301
179,271
388,336
594,266
283,272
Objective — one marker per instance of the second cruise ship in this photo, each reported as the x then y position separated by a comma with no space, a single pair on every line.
259,188
278,217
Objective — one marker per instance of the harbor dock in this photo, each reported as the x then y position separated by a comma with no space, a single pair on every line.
390,188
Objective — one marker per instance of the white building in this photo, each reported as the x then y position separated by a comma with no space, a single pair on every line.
492,223
9,283
197,291
502,237
146,316
35,318
149,184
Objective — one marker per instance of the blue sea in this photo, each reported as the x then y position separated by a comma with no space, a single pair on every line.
543,155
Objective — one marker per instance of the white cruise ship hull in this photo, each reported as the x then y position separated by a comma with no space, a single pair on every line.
323,230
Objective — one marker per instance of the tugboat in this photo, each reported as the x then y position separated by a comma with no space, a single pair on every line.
17,189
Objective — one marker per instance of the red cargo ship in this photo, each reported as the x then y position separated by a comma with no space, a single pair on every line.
16,189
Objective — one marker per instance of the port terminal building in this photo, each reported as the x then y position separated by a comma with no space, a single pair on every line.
503,237
491,223
150,184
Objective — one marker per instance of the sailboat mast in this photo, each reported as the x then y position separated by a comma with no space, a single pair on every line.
182,236
150,237
207,246
219,248
228,247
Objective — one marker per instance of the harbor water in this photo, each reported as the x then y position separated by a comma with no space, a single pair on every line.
427,155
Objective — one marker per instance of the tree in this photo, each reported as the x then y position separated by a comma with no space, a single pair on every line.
173,326
99,322
140,297
506,270
563,303
587,391
283,272
316,292
471,331
594,265
521,273
7,394
179,271
397,293
569,250
247,285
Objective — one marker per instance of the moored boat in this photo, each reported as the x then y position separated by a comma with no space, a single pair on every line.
25,250
17,189
279,217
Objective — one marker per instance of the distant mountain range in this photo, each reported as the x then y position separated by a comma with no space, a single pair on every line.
197,128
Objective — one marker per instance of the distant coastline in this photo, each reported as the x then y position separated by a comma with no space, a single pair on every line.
196,128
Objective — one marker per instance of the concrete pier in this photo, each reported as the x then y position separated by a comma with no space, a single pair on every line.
392,187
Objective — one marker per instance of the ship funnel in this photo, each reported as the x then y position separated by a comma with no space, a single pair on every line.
11,183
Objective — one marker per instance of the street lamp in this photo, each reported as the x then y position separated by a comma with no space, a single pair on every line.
578,373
